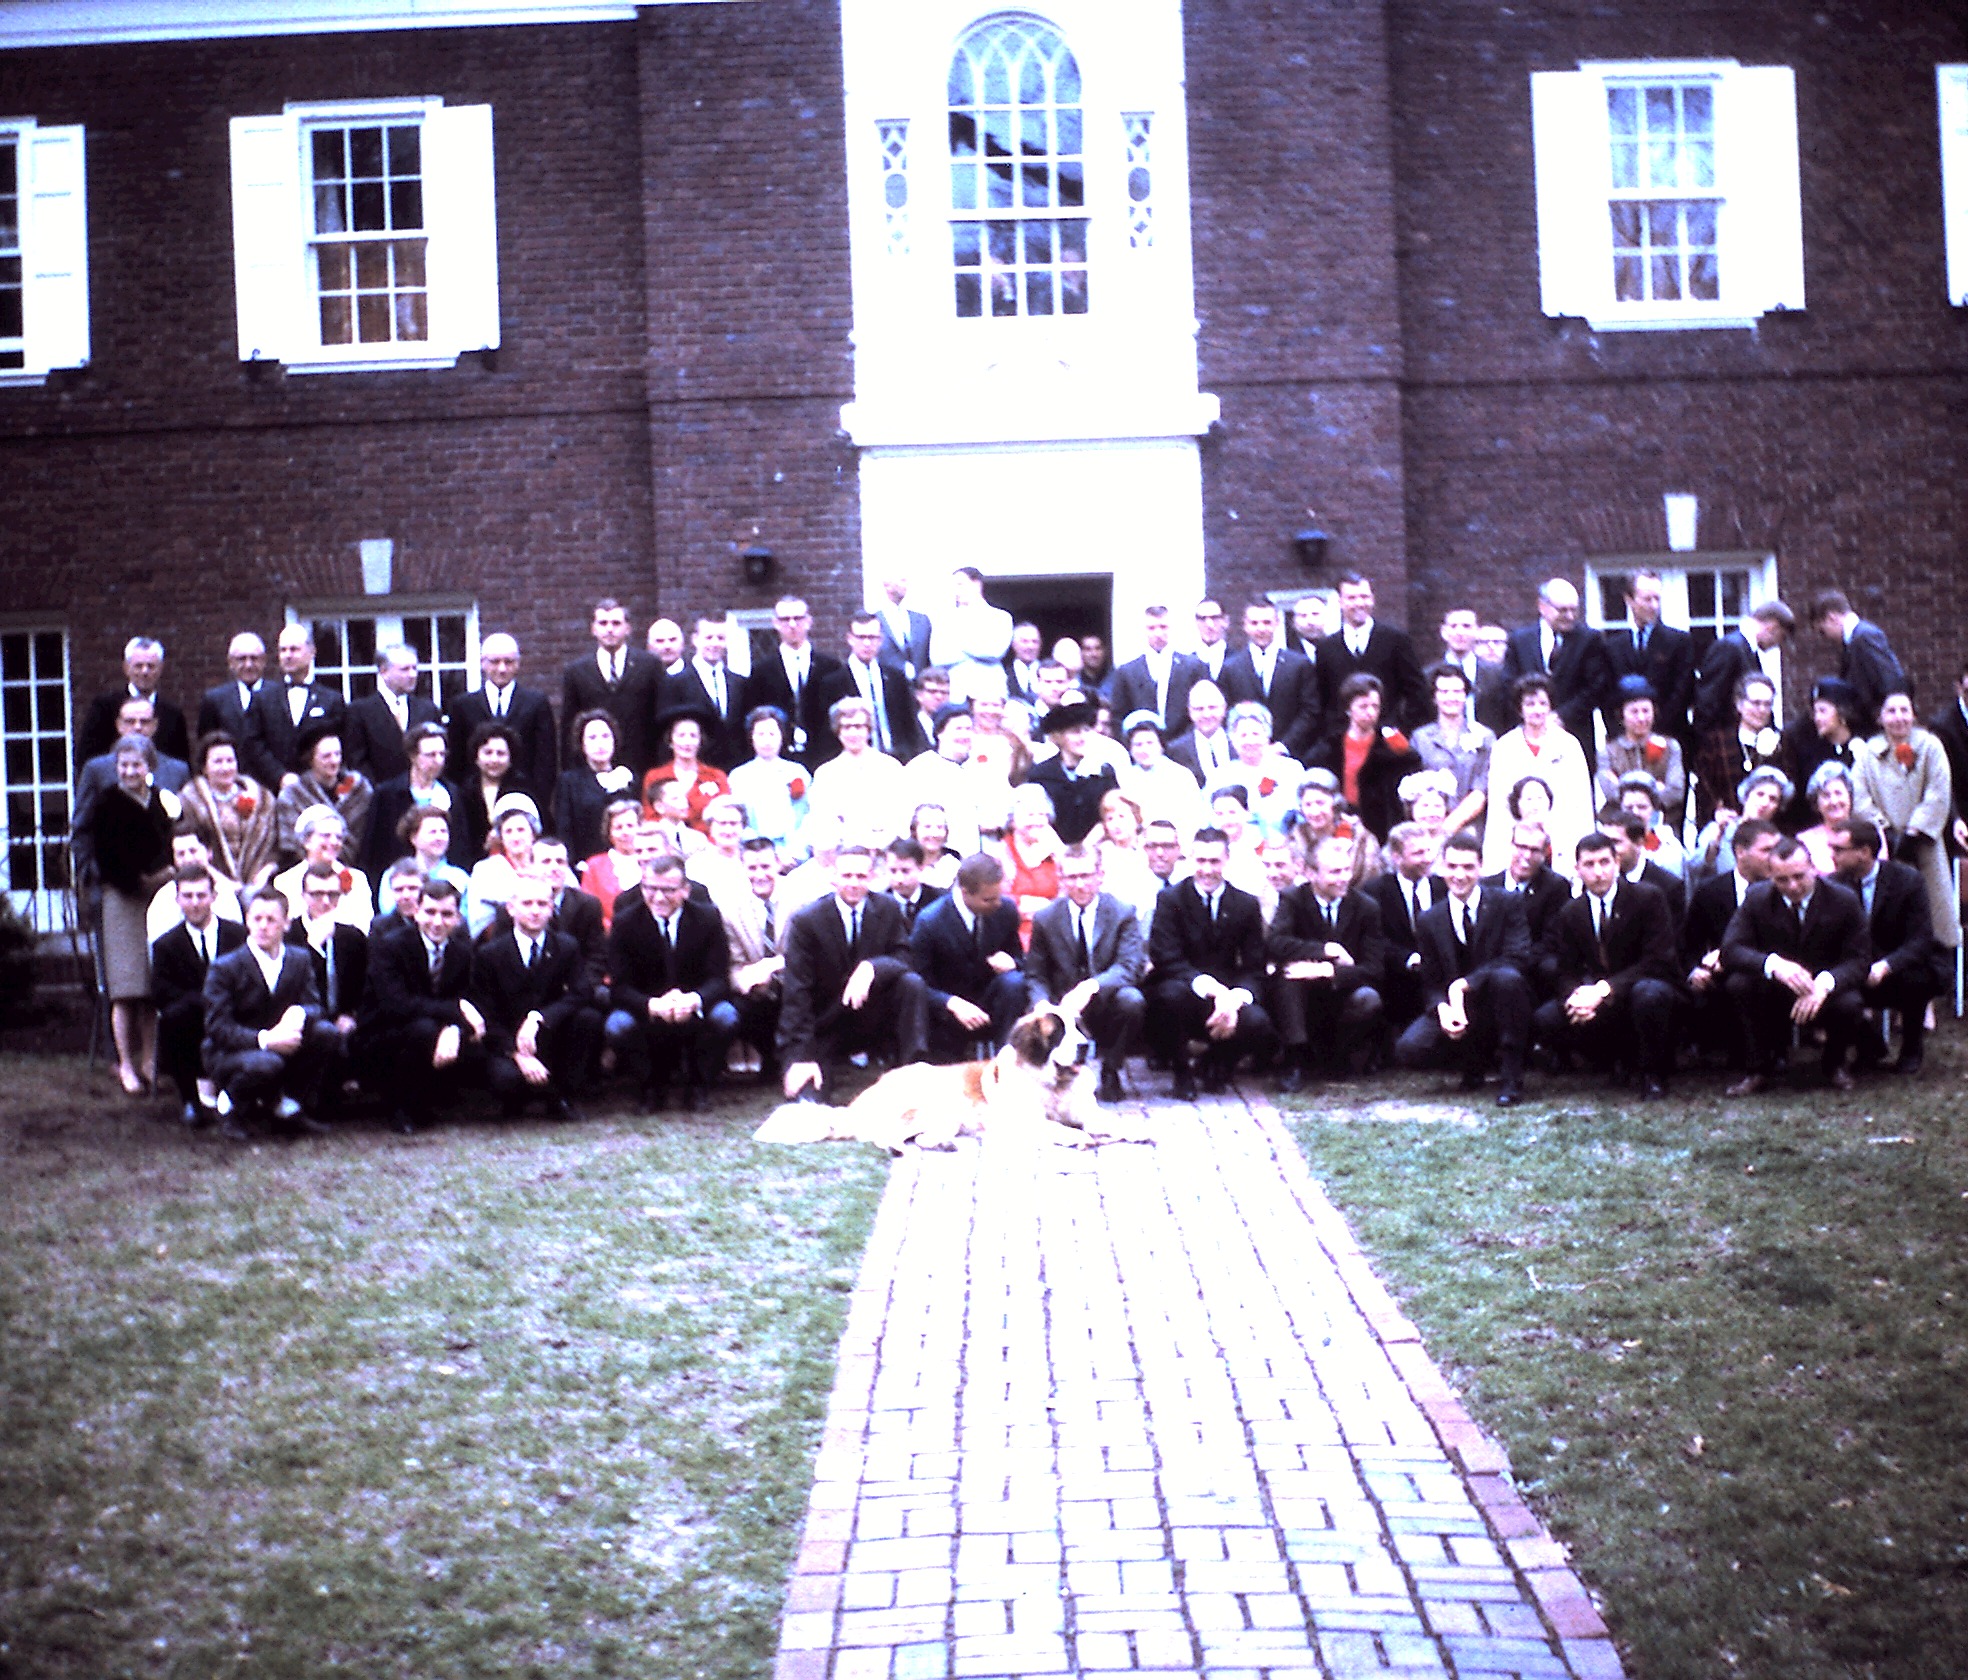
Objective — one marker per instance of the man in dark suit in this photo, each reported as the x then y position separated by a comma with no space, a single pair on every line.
1362,643
709,687
1797,951
1325,947
847,983
419,1037
1022,660
1905,973
1613,952
180,958
788,677
225,706
863,676
375,740
1158,680
1271,674
1206,949
340,955
285,711
261,1051
966,949
1572,654
525,711
670,972
143,669
1405,892
1730,658
1529,875
905,883
1627,830
904,633
619,680
1711,908
1087,957
570,910
1950,724
1475,961
1866,660
1204,748
1660,653
537,995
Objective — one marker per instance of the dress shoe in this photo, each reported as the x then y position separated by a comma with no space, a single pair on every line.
1510,1096
1652,1090
1909,1062
192,1115
229,1127
1471,1080
1747,1086
1216,1079
1109,1089
1292,1080
401,1123
301,1121
559,1108
1182,1085
1840,1078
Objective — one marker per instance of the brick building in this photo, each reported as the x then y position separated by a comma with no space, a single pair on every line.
434,317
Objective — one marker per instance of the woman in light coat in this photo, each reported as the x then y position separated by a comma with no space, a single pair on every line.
1903,784
1541,747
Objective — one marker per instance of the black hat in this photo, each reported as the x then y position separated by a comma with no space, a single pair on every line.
702,716
947,713
1839,692
1072,712
1633,687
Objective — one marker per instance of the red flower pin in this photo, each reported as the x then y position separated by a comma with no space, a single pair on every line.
1652,842
1905,754
347,879
1268,786
797,787
1654,753
243,804
1342,830
344,787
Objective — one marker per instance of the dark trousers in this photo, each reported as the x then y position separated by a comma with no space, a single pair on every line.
1636,1031
1499,1008
894,1019
1176,1016
257,1079
396,1061
1907,995
758,1019
180,1044
1764,1009
1318,1022
1113,1019
655,1053
1005,999
569,1048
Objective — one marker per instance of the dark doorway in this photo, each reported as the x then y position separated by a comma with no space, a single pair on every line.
1059,606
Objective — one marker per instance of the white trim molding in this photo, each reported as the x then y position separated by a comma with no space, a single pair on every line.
93,23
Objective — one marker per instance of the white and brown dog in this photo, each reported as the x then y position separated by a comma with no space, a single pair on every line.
1038,1083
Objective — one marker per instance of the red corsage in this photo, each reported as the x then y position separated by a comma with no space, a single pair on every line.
1268,786
244,804
1653,841
1905,754
347,878
1395,739
797,787
1654,753
344,786
1342,830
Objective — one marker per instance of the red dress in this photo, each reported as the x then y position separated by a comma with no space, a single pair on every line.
1030,880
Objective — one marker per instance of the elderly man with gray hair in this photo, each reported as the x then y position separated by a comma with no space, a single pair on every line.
143,670
1572,654
502,699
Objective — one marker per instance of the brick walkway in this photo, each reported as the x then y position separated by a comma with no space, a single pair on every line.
1146,1408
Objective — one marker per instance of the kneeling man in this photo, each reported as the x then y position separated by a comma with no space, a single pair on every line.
533,985
1087,958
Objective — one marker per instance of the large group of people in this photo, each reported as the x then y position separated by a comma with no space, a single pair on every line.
1314,854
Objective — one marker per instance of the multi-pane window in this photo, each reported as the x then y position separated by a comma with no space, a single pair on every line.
1664,201
444,636
366,186
13,343
35,769
1018,229
1707,600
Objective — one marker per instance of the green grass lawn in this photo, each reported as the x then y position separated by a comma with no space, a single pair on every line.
1725,1344
499,1400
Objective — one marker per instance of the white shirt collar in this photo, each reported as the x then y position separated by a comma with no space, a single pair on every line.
270,966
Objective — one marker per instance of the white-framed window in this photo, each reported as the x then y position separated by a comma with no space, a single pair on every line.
1706,596
443,631
44,251
36,769
1667,193
1952,89
1018,199
365,235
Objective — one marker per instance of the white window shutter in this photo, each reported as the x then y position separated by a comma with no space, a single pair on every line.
1568,145
1756,143
461,212
54,249
1953,90
269,240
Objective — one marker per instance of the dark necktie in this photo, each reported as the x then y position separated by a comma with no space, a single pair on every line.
854,934
1599,913
1459,925
532,953
437,964
770,943
1086,943
204,951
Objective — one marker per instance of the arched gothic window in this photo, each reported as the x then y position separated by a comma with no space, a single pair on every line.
1018,226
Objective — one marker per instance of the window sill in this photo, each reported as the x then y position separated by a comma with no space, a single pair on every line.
880,424
371,364
1677,323
18,378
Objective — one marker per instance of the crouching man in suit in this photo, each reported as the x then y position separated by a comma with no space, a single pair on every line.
260,1010
1797,951
537,994
1207,951
180,959
418,1037
847,984
340,955
1325,943
1475,958
1905,975
1087,958
965,947
670,968
1613,953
